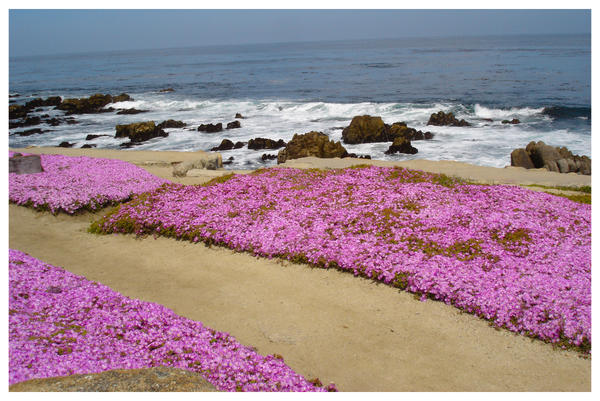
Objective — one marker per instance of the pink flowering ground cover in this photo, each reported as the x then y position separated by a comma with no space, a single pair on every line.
62,324
69,184
519,258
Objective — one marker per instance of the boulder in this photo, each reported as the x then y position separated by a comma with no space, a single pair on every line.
208,161
312,143
440,118
171,124
560,160
266,157
239,144
131,111
165,90
513,121
157,379
366,129
17,111
88,146
210,127
520,158
238,115
93,136
29,164
401,130
226,144
66,144
401,145
234,124
265,143
139,132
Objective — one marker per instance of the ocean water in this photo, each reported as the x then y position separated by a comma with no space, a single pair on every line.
285,89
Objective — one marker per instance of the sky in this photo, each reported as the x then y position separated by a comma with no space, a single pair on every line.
36,32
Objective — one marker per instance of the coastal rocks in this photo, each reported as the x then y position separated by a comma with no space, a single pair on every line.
226,144
401,145
209,161
234,124
66,144
513,121
166,90
266,157
139,132
238,115
29,164
313,143
131,111
440,118
265,143
171,124
157,379
210,128
93,136
30,132
365,129
93,104
561,160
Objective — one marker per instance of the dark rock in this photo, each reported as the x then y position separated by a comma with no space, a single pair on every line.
211,127
366,129
171,124
27,122
20,164
401,130
53,121
93,104
228,161
17,111
238,115
355,156
226,144
93,136
14,95
131,111
401,145
266,157
520,158
52,101
312,143
157,379
513,121
440,118
71,120
88,146
234,124
166,90
265,143
239,144
66,145
139,132
123,97
30,132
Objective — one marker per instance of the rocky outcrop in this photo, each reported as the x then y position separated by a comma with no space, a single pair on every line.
29,164
208,161
401,145
156,379
238,115
440,118
226,144
28,132
312,143
234,124
561,160
171,124
513,121
139,132
210,128
131,111
367,129
265,143
93,104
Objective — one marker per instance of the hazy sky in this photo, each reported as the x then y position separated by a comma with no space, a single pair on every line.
33,32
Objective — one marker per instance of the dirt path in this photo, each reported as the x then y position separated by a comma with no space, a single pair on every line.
361,335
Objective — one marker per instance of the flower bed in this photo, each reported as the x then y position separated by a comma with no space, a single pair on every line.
62,324
521,259
69,184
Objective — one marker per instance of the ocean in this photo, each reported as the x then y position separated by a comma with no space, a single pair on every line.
287,88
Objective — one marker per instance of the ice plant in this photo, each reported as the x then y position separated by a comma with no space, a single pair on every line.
69,184
62,324
519,258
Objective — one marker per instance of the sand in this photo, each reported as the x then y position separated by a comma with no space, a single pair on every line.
328,324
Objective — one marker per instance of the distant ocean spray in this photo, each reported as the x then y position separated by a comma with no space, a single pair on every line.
283,89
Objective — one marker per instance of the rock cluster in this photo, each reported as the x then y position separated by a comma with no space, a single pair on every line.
441,118
265,143
226,144
210,128
156,379
313,143
93,104
540,155
139,132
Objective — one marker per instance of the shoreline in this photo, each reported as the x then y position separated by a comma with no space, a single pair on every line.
160,164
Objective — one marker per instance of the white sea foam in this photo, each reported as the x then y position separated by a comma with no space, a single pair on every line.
485,143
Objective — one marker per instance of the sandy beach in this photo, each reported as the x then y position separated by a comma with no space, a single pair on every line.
328,324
